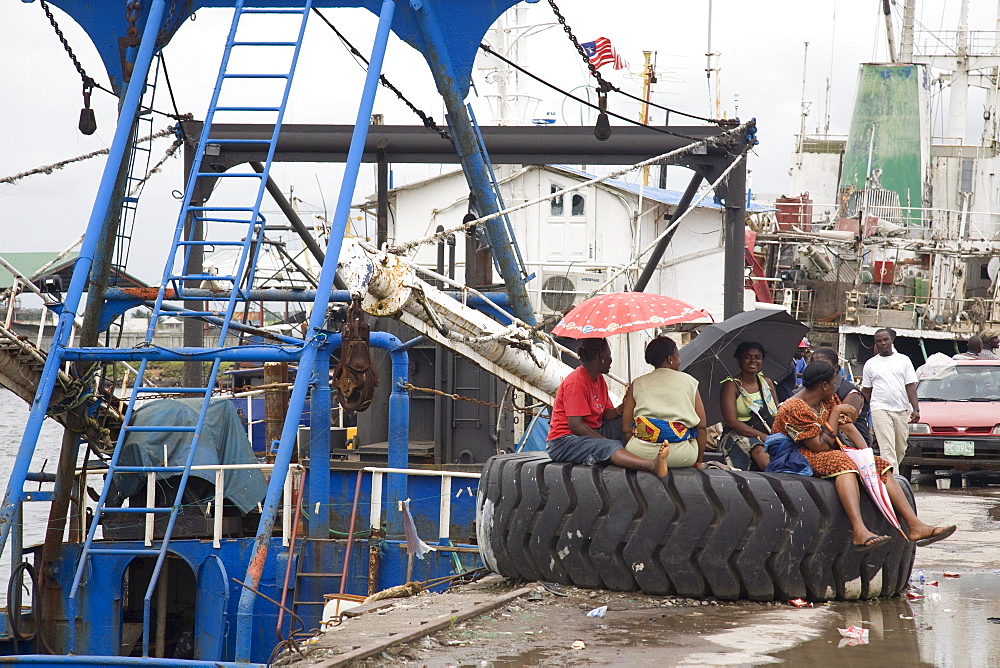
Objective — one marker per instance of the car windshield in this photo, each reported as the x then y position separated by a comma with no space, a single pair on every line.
969,383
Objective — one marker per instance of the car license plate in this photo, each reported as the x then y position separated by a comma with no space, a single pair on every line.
960,448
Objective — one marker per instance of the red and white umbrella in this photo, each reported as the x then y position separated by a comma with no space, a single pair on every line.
621,312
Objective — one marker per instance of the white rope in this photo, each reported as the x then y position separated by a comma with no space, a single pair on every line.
635,262
402,248
48,169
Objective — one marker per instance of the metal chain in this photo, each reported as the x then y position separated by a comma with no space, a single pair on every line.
607,85
87,81
583,54
410,387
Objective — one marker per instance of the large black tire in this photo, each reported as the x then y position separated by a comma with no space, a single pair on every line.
699,532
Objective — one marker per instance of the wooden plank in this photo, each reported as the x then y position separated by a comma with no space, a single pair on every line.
432,626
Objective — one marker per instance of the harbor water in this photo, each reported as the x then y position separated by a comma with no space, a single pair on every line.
13,416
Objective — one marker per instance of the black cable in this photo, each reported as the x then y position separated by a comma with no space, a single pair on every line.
14,603
654,128
428,121
607,85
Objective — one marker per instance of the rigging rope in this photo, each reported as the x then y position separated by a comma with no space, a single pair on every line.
670,228
48,169
437,237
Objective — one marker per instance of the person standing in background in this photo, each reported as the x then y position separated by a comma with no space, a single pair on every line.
889,384
991,341
789,383
974,350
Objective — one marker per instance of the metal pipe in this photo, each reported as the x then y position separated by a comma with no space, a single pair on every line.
319,445
517,145
297,513
295,221
245,618
661,246
161,610
280,295
734,221
473,162
382,194
350,532
81,271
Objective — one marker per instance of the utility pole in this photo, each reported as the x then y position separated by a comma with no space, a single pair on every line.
804,105
648,79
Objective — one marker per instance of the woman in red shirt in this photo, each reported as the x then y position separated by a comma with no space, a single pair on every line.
580,412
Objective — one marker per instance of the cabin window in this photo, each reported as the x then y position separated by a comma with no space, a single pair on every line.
556,203
579,205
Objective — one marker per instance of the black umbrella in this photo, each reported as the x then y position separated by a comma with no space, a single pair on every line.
709,358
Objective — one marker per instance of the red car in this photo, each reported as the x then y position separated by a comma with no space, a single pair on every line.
959,424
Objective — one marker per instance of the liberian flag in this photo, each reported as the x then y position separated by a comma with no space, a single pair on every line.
600,53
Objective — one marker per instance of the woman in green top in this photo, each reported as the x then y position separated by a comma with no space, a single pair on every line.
748,409
669,398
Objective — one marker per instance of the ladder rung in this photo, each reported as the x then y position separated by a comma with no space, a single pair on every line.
135,511
193,314
172,390
248,75
209,243
121,550
160,428
228,175
272,10
248,209
248,109
149,469
201,277
237,141
319,575
207,219
130,200
265,43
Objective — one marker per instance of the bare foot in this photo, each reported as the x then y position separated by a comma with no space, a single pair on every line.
660,464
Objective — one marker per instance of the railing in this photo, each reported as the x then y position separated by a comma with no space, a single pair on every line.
956,314
216,506
920,223
946,42
444,505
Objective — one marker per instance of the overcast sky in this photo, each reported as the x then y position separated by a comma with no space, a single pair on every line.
761,45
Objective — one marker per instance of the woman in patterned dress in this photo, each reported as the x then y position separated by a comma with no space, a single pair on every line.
813,417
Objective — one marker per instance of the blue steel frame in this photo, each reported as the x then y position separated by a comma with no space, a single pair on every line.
450,51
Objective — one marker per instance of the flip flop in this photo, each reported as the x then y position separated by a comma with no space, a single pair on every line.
872,542
937,535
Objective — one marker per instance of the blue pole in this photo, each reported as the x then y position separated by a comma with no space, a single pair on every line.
318,483
473,162
244,617
399,434
81,271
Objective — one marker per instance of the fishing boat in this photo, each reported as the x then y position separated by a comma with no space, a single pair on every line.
893,224
196,550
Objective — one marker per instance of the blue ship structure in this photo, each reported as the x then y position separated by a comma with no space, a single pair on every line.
232,580
170,596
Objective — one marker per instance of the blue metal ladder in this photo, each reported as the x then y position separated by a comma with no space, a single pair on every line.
240,281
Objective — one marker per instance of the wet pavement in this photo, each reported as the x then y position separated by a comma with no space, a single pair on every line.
956,623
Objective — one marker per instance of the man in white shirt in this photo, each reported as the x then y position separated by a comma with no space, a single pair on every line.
889,384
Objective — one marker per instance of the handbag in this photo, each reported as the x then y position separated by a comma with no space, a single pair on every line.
653,430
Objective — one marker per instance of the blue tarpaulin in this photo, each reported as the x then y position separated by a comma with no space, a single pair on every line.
223,441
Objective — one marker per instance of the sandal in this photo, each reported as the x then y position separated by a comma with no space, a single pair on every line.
938,533
872,542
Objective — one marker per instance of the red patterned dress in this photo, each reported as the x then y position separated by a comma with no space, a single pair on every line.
799,421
